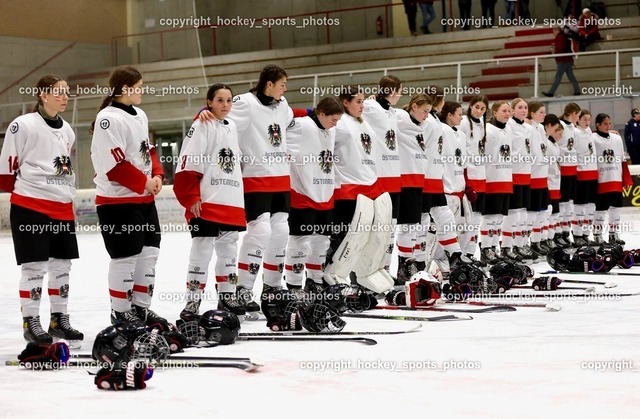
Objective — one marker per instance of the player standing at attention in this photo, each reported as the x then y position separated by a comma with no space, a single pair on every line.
128,176
35,167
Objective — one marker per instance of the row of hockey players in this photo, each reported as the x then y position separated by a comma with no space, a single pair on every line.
327,214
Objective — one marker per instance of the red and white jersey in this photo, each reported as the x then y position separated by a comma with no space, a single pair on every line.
454,155
568,155
586,154
263,141
36,165
384,125
540,166
209,171
355,165
553,157
122,156
498,163
412,150
433,142
521,159
609,156
311,155
476,143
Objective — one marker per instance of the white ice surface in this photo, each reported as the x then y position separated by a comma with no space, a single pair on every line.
530,363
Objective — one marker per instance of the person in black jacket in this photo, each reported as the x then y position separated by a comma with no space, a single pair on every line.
632,136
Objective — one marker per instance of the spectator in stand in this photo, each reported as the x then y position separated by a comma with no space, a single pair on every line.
488,12
465,12
632,136
411,10
588,29
510,9
428,14
564,63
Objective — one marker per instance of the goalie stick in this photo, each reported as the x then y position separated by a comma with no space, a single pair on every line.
450,317
309,338
548,306
348,333
493,309
585,289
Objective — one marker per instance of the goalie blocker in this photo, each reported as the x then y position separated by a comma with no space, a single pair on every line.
363,250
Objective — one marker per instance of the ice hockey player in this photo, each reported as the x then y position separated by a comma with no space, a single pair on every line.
36,169
208,184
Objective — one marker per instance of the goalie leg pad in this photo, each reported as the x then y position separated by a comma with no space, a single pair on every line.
347,253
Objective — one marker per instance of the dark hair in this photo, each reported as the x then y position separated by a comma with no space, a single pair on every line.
329,106
494,108
348,93
601,117
270,73
570,108
475,99
417,99
447,108
534,106
120,77
45,85
211,93
388,85
551,119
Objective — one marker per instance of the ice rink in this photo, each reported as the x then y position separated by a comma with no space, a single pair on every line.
582,361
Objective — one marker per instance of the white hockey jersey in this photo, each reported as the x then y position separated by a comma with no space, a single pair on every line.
553,157
209,171
454,155
476,144
412,150
498,163
568,155
36,165
521,159
586,154
311,152
610,155
540,166
434,145
121,139
385,129
263,141
355,165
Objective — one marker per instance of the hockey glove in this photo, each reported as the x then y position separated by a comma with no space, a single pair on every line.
472,196
546,283
39,356
132,377
176,340
459,292
396,298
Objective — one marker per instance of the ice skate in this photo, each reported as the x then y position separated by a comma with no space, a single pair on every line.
59,328
245,298
33,331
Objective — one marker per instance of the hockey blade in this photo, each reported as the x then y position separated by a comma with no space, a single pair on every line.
494,309
548,306
343,333
366,341
449,317
591,273
576,281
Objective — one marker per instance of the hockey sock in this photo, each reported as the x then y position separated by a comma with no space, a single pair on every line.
295,259
120,284
31,279
251,250
198,269
226,247
58,284
273,263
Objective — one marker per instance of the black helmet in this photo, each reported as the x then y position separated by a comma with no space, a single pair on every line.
219,326
559,260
